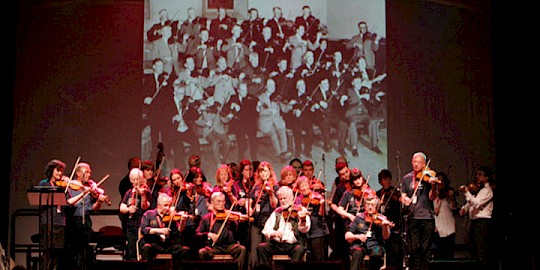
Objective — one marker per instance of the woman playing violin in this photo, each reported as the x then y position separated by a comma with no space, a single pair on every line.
133,205
78,220
351,202
264,202
288,177
241,189
224,183
314,204
418,194
365,234
220,229
194,202
53,215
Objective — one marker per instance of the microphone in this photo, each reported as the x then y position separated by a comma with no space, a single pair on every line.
323,157
397,154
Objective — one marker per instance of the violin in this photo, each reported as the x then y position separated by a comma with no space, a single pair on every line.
377,219
96,191
357,192
204,189
313,199
177,217
472,187
292,212
234,216
426,174
63,183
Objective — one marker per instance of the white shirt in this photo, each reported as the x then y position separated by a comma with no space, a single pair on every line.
445,222
285,227
481,205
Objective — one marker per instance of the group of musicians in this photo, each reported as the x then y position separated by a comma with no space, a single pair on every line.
252,215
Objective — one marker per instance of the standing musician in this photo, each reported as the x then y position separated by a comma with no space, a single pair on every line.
263,196
203,51
288,177
365,233
327,106
192,25
309,22
241,190
365,44
220,229
315,184
281,27
236,51
177,187
194,203
134,203
271,122
352,201
269,49
417,195
299,121
83,196
157,102
161,232
244,108
314,204
220,27
480,209
255,75
52,227
252,28
155,32
224,184
390,206
342,184
186,116
285,229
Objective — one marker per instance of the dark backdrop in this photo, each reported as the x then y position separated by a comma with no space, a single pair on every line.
77,69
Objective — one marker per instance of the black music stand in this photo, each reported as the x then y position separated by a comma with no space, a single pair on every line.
46,197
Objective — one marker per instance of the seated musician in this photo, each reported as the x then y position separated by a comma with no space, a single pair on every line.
285,229
220,228
161,232
366,232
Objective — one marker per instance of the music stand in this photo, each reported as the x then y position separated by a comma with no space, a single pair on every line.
46,197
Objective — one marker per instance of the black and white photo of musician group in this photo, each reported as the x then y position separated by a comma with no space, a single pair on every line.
229,84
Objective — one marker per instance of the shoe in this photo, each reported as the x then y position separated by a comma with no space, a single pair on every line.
355,152
327,149
376,149
342,152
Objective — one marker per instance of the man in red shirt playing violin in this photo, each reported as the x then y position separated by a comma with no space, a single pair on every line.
365,233
219,227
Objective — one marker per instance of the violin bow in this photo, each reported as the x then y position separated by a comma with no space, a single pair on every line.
72,173
423,174
223,224
98,183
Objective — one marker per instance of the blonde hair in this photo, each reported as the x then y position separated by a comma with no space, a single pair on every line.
223,168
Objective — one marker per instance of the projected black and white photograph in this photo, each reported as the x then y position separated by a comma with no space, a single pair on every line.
265,81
